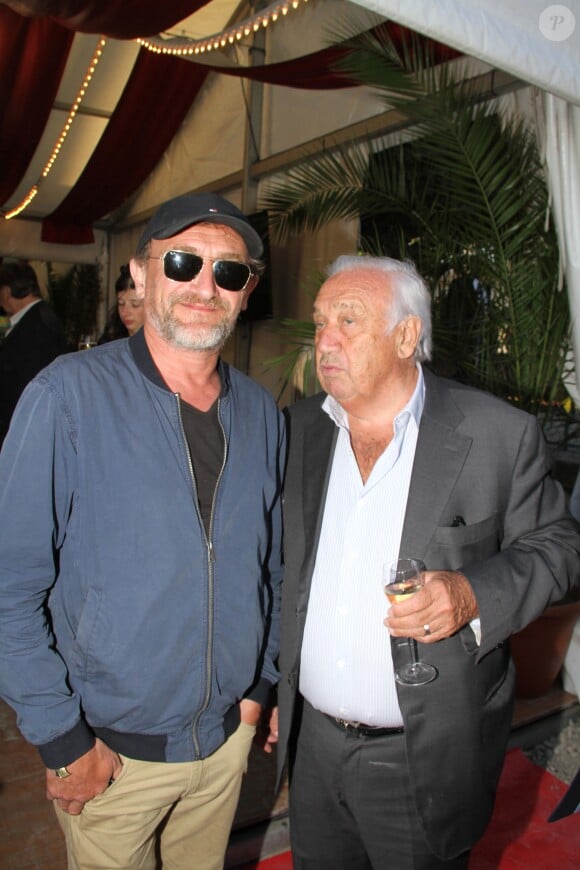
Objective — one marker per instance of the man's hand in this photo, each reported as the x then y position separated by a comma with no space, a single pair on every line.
272,733
266,731
89,776
445,604
250,712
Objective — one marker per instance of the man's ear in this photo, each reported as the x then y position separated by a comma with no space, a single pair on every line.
409,333
250,287
138,274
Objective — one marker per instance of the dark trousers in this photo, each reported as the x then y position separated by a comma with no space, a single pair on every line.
351,805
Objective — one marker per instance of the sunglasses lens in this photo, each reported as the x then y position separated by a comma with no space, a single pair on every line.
181,266
228,274
231,275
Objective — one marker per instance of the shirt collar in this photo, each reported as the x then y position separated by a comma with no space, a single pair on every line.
15,318
413,408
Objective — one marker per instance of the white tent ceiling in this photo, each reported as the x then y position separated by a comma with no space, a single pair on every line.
533,39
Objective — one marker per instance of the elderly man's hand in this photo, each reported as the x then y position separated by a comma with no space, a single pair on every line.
444,605
272,732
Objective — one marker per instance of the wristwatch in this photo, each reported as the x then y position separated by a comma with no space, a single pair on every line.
62,772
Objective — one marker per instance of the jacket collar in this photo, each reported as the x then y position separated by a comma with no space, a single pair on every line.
16,318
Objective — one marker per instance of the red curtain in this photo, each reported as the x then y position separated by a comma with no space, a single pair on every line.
121,19
154,103
33,54
312,72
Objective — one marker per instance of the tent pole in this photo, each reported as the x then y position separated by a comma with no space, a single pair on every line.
253,135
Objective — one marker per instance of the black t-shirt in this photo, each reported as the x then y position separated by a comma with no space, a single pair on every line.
206,443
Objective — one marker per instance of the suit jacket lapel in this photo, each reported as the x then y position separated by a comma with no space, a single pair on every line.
319,443
439,457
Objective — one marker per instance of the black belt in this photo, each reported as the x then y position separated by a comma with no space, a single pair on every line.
360,730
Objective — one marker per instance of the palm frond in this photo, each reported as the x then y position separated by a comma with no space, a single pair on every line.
297,363
318,192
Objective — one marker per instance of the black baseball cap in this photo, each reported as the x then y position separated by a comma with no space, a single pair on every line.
194,208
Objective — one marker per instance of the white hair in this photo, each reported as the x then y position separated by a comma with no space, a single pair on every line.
410,294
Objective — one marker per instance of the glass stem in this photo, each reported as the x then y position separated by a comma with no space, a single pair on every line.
413,651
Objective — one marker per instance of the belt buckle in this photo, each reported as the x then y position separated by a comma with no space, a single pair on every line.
348,726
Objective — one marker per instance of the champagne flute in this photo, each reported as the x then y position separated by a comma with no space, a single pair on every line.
86,342
400,580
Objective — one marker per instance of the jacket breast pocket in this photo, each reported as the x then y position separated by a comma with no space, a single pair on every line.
458,545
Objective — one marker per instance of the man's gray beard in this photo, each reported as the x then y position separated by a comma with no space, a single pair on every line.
192,337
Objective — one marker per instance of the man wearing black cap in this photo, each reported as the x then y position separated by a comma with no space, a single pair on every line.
139,614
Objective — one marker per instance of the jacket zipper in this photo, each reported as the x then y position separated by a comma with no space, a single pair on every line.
210,562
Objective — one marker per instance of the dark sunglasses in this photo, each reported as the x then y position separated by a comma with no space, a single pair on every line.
227,274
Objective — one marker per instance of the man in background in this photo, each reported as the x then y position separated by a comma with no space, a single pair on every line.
33,339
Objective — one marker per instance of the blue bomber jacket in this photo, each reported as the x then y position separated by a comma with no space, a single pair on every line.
119,617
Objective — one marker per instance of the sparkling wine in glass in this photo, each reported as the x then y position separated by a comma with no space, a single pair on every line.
401,579
86,342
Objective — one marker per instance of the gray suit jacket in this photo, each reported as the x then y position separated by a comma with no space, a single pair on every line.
483,460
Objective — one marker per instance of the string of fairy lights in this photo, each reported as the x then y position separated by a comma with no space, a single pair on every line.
64,133
176,46
183,46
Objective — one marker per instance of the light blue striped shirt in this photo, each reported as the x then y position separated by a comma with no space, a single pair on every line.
346,668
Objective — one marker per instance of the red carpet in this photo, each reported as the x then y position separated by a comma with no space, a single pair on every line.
278,862
519,836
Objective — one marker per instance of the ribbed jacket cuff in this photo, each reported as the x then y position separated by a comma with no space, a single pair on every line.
260,692
68,747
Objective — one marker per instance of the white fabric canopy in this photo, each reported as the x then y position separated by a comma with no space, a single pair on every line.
534,40
562,147
538,42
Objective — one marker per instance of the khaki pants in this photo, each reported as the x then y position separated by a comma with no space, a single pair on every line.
182,812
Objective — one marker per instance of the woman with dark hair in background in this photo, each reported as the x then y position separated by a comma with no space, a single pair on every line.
126,316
